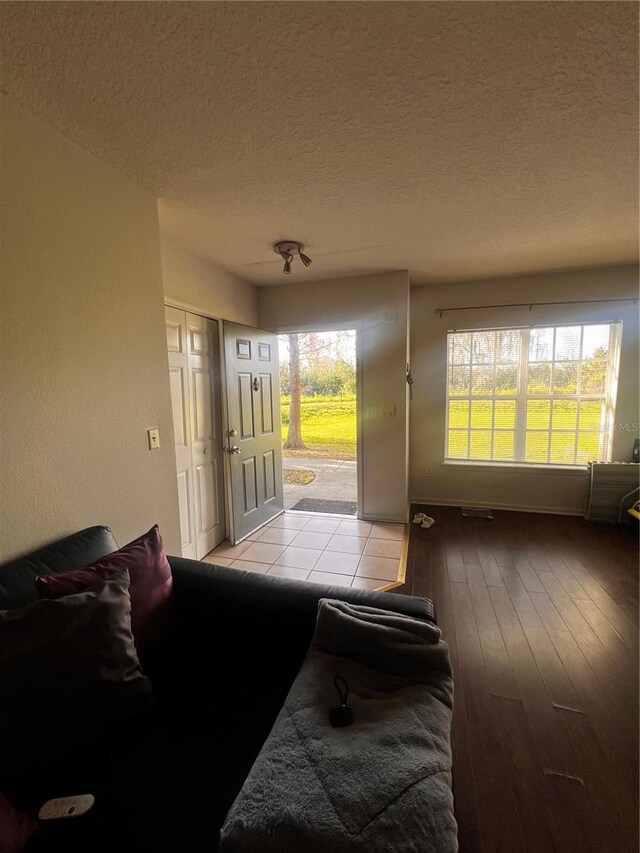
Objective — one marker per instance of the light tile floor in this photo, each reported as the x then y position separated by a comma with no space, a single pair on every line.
331,549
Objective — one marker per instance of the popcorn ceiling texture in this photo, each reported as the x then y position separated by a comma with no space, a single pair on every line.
455,140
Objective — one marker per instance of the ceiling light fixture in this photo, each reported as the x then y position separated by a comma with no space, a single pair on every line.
288,249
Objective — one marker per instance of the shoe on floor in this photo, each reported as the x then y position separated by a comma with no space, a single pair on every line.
418,518
427,521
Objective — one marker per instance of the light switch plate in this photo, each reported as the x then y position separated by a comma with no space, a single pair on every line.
154,438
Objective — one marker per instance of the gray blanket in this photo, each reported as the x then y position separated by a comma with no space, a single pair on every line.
382,784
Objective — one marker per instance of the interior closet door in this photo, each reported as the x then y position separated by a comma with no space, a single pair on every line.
194,372
254,435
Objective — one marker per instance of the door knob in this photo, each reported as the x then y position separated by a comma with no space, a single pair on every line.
234,449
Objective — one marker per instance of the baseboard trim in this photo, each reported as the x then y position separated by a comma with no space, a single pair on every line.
548,510
386,519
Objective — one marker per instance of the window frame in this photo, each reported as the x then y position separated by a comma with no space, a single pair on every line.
520,397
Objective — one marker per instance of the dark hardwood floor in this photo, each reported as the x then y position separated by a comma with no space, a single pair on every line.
541,616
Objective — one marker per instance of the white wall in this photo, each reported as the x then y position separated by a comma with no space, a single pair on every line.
83,365
555,491
377,307
197,284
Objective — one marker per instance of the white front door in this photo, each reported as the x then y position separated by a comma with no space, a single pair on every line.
254,435
194,373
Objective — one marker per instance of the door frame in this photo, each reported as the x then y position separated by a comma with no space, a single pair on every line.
356,326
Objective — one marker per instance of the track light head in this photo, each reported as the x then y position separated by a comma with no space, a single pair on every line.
288,249
287,257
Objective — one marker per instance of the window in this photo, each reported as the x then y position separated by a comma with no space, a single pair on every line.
541,396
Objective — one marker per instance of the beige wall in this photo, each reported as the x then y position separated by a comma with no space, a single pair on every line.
197,284
548,491
377,306
83,366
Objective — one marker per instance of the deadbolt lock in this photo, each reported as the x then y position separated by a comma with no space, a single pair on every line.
233,433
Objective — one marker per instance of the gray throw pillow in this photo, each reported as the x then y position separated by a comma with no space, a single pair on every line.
69,675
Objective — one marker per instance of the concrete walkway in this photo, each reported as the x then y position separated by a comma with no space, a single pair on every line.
335,480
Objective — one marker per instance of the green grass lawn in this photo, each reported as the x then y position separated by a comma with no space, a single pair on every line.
329,429
470,427
328,426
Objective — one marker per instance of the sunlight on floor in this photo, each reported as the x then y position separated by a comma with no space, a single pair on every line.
328,549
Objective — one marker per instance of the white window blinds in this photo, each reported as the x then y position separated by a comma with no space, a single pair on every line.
539,396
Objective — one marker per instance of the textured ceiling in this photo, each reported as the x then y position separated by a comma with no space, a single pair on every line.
456,140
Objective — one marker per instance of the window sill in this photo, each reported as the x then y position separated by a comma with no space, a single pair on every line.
517,467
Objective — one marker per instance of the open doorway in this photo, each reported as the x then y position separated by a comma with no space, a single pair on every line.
318,384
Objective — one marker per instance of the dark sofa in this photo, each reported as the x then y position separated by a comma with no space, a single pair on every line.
219,681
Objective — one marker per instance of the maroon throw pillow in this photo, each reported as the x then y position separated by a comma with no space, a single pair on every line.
16,828
150,589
